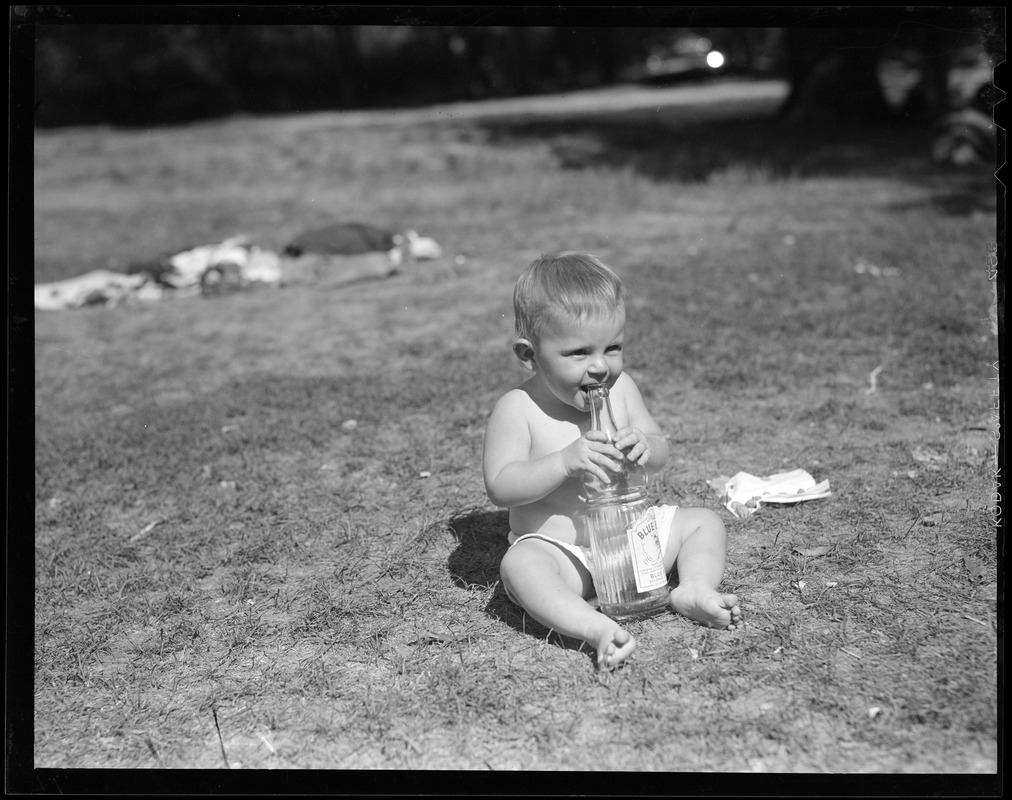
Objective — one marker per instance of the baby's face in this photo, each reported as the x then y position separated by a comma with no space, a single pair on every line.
575,353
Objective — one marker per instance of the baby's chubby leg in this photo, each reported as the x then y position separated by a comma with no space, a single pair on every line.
697,548
553,588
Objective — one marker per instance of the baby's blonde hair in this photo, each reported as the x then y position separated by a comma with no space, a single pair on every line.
568,283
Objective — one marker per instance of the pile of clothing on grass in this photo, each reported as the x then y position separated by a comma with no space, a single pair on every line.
337,254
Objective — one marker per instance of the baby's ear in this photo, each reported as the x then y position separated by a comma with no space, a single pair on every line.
524,350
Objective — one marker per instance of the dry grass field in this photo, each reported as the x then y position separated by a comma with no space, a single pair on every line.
227,575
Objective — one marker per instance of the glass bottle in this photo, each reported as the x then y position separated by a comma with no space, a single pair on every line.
629,574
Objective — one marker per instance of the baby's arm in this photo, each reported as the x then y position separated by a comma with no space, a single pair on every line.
641,439
513,478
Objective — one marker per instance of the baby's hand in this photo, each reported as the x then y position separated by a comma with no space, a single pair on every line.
592,453
634,444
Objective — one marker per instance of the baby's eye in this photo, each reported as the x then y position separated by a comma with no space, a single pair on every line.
615,348
576,353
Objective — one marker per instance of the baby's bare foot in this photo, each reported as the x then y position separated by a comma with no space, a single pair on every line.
614,646
706,605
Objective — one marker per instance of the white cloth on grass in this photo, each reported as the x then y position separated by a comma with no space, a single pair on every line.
745,493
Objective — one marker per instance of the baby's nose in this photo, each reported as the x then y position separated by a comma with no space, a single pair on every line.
597,368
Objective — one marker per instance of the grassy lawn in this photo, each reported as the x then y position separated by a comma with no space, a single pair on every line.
227,574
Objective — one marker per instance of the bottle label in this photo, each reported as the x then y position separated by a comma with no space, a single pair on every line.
647,555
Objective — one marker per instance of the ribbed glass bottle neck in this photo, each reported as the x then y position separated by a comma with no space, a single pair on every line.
601,416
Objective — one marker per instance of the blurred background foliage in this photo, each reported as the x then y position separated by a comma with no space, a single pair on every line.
143,74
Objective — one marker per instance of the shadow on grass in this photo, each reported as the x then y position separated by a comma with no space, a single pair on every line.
481,543
675,145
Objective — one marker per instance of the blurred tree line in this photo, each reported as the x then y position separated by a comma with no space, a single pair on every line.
167,73
135,74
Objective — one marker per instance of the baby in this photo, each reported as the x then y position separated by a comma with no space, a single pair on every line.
570,333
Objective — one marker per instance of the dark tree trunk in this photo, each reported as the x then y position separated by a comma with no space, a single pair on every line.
833,74
349,66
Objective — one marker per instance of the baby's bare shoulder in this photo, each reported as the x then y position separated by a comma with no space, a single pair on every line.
625,387
514,407
514,400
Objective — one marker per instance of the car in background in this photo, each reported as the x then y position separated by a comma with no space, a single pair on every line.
703,54
682,58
